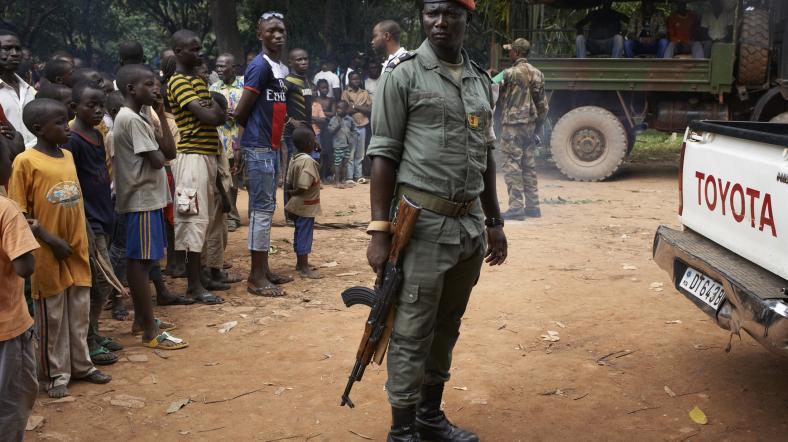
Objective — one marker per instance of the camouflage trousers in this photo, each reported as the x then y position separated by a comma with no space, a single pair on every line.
519,165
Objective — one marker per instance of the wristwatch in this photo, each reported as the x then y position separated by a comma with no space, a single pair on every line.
493,222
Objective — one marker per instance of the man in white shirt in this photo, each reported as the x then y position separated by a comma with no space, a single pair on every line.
374,70
385,41
326,73
717,22
15,93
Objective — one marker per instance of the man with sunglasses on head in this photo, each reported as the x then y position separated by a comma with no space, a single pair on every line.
262,112
432,141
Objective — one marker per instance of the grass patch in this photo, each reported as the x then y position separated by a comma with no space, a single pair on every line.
653,145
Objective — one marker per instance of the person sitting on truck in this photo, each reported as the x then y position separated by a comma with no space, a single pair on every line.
646,33
683,26
716,24
604,32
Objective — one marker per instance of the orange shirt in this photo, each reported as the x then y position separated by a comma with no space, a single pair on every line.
47,189
16,239
681,28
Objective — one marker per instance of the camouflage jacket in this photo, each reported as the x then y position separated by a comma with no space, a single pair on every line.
522,99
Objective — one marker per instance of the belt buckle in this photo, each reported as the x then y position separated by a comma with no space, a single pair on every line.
465,206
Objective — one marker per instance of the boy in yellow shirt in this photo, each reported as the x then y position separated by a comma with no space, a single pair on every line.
44,184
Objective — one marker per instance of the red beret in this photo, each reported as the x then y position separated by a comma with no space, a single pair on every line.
467,4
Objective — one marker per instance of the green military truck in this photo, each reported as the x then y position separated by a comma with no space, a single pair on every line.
598,105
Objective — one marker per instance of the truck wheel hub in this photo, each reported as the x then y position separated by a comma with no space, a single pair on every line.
588,144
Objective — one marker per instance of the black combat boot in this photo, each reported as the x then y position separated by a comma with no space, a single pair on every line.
513,215
403,425
431,422
533,212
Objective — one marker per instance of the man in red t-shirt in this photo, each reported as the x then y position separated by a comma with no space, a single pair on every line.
682,28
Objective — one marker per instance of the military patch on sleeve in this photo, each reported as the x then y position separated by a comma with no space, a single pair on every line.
395,62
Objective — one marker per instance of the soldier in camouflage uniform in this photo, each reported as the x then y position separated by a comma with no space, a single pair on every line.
522,108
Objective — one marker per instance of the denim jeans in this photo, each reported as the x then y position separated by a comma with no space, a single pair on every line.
357,153
613,46
261,170
635,47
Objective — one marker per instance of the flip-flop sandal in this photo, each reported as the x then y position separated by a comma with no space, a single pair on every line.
97,377
208,299
306,275
108,343
229,278
212,284
120,314
266,292
102,356
164,326
280,279
176,300
166,341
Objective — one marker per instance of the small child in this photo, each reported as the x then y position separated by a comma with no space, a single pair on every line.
303,179
86,144
44,184
142,194
17,353
343,129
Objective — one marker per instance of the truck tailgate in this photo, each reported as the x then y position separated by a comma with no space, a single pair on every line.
735,193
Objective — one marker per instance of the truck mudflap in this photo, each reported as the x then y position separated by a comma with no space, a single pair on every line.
755,299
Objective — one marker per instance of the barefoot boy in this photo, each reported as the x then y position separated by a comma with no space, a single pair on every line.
44,184
343,130
142,194
303,179
17,355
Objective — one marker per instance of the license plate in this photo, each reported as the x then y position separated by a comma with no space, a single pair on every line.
703,288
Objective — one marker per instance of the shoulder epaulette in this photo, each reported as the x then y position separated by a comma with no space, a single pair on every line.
396,62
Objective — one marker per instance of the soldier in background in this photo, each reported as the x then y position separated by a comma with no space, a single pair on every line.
522,108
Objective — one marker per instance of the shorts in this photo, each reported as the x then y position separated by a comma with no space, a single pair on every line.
146,235
195,174
341,153
303,235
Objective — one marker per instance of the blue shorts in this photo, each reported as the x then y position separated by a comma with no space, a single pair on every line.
146,237
303,235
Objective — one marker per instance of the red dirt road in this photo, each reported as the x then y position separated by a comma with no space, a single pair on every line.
565,273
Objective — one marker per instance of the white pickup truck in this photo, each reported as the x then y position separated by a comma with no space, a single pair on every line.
731,257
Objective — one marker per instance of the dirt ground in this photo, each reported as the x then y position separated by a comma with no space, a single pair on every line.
583,270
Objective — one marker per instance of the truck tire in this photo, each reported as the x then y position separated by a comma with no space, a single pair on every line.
782,118
589,143
754,47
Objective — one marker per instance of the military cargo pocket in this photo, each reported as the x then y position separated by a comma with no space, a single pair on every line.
410,293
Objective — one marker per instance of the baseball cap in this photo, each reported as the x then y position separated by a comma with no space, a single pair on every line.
519,44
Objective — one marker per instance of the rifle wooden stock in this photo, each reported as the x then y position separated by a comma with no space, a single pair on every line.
377,329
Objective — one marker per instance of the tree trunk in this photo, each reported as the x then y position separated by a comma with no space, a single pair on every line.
224,15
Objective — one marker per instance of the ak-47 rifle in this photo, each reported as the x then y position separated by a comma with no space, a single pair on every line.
382,299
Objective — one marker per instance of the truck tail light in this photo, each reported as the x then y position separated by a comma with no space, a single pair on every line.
681,178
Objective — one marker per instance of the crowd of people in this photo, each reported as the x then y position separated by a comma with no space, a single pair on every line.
648,33
106,176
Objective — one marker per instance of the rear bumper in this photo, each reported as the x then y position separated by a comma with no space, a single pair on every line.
755,298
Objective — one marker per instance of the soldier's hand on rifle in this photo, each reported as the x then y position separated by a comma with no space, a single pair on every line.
497,248
378,252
